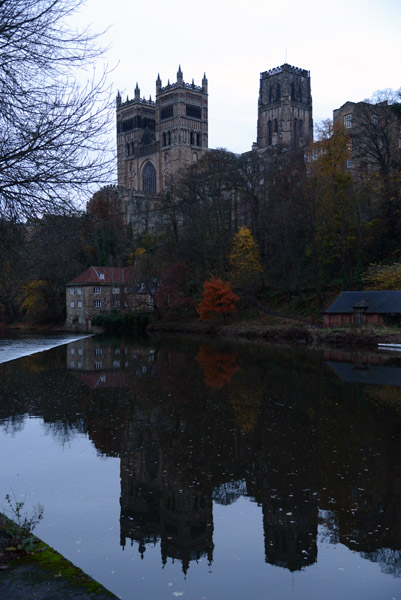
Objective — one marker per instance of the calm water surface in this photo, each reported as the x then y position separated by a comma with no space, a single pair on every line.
173,468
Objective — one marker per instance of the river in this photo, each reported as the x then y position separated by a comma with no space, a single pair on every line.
173,467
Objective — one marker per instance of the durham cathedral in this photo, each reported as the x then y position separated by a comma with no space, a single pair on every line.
157,138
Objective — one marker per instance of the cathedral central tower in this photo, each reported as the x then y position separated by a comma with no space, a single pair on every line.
284,108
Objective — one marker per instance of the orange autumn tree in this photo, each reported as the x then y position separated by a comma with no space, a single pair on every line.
217,297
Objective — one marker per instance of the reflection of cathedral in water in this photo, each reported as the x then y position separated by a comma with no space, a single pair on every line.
144,408
154,506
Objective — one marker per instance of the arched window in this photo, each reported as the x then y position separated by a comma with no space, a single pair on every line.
164,139
301,128
292,92
278,92
275,126
191,138
168,138
269,133
299,93
198,139
149,179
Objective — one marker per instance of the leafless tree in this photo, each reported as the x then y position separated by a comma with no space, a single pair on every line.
53,128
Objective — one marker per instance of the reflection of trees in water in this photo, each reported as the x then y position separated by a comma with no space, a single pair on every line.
388,559
218,367
229,492
13,425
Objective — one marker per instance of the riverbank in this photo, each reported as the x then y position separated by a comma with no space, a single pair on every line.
262,327
281,330
43,574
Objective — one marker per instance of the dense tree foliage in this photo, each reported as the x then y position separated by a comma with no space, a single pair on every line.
293,225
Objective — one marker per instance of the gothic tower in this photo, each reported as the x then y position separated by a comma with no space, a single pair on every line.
156,139
285,108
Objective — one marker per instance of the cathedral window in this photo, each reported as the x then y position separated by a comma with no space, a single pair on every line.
198,139
191,138
164,139
271,94
168,138
126,149
278,92
193,111
292,91
149,179
301,128
269,133
166,112
299,93
275,126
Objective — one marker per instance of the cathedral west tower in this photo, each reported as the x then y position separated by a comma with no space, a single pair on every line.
155,139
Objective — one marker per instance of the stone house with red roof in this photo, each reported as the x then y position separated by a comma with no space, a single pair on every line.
103,290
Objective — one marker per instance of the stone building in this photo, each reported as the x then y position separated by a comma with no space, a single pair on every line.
284,108
374,136
155,139
103,290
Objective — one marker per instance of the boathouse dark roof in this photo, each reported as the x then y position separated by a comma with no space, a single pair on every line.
378,302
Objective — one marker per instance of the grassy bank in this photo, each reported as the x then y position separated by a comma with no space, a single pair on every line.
277,329
45,569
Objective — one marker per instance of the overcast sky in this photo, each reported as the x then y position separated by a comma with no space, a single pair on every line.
351,48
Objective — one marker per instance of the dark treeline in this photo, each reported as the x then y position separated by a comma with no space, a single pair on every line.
323,220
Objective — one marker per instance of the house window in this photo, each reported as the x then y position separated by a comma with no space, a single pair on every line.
101,275
97,303
375,119
315,155
116,290
98,351
72,304
79,303
97,290
306,157
72,351
98,365
348,121
349,163
357,316
72,291
116,363
79,291
115,303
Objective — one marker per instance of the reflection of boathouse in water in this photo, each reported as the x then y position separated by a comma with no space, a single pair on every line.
356,368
